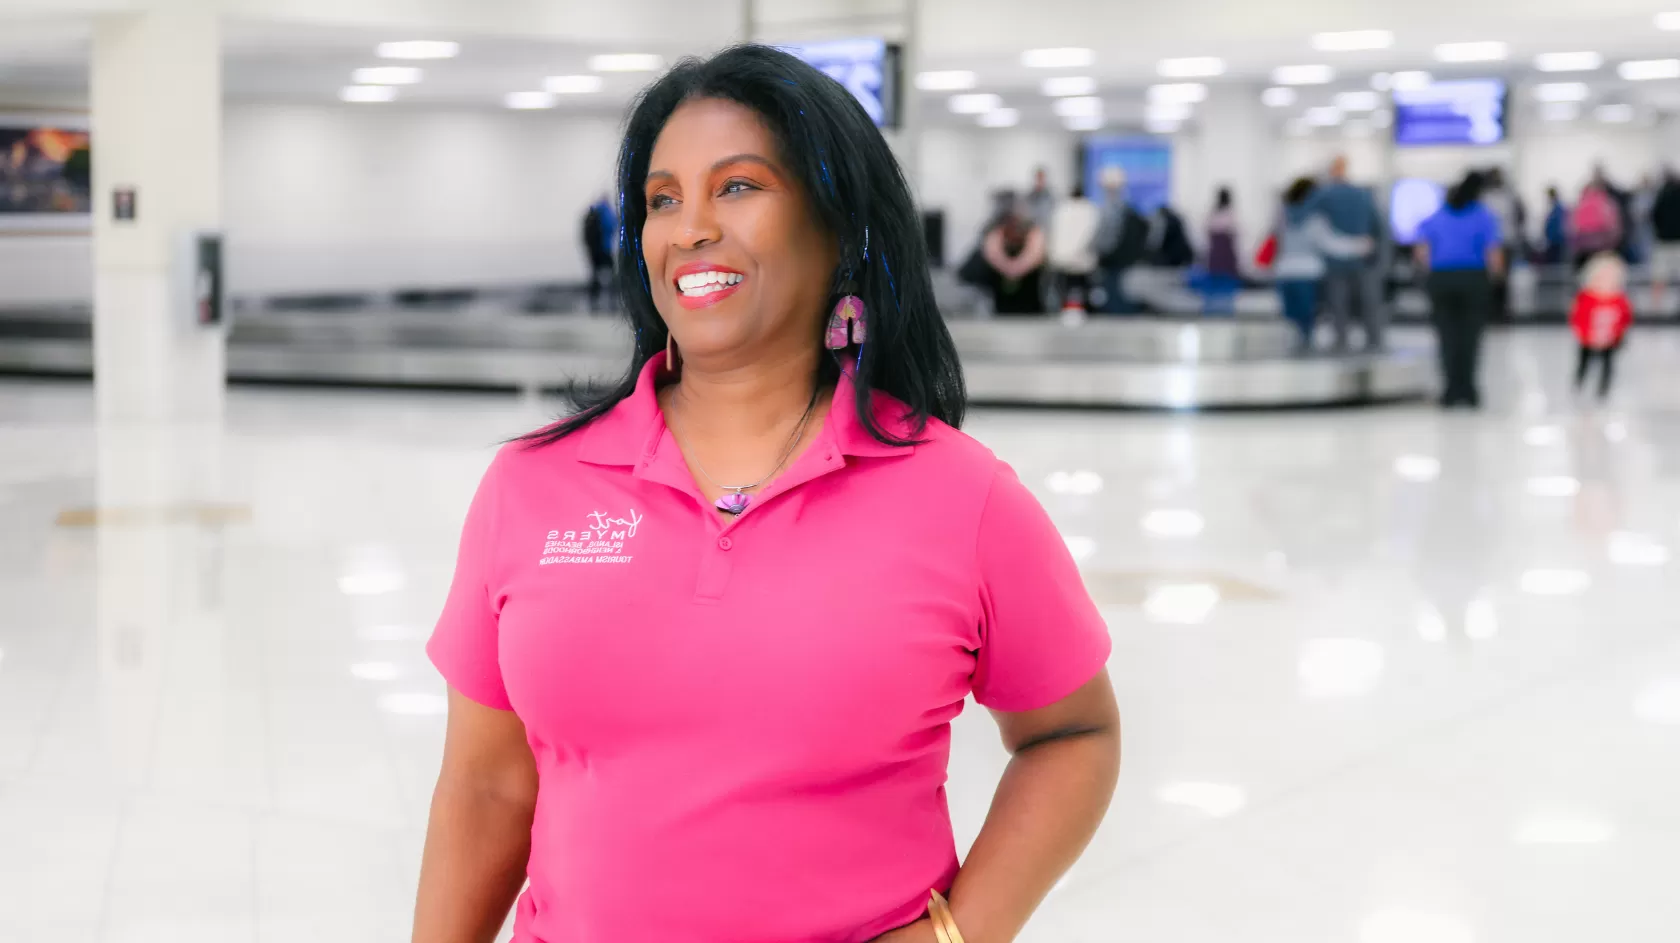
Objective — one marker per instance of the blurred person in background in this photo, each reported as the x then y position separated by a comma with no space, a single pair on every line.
1596,224
1122,241
1169,240
1600,319
1305,239
1507,208
1555,234
1459,248
1622,200
640,749
1640,204
600,234
1073,248
1350,282
1665,232
1224,273
1041,200
1015,250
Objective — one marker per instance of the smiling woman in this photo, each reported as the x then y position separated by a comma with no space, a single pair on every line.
686,709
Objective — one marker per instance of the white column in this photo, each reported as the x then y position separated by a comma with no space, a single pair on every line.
156,118
1238,150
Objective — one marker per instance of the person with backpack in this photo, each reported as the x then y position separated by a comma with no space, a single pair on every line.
1596,225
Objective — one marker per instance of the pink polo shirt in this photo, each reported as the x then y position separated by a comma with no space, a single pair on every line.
741,730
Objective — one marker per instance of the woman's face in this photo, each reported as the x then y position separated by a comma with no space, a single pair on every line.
738,265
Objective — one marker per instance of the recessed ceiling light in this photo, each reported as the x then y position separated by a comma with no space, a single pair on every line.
1062,86
1560,111
1353,40
1083,122
1162,127
1668,21
1303,74
1568,61
1411,80
1168,111
974,103
1357,101
1614,114
1182,92
529,101
1061,57
367,93
573,84
418,49
1000,118
1191,67
1561,92
1483,51
1278,97
1644,70
948,80
1325,116
386,75
1083,106
627,62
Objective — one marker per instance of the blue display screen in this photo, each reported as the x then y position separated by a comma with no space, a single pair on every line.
1147,162
1459,112
866,67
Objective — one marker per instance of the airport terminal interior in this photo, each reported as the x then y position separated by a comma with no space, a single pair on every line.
1389,574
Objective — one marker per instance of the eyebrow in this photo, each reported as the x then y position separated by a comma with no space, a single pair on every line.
764,162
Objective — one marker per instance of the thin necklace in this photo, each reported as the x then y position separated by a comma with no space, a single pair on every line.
737,499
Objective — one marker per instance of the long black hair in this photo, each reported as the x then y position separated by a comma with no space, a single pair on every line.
852,182
1466,191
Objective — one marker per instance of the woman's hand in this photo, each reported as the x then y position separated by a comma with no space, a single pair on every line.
919,932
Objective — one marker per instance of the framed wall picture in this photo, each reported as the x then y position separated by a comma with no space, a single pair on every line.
46,172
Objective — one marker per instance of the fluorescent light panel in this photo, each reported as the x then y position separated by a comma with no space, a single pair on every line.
386,75
573,84
367,93
974,103
1410,80
1191,67
949,80
1303,75
1062,86
1481,51
1357,101
1161,127
1083,106
1353,40
1561,92
1560,111
418,49
529,101
1168,111
1182,92
627,62
1645,70
1000,118
1324,116
1614,114
1278,97
1061,57
1568,61
1083,123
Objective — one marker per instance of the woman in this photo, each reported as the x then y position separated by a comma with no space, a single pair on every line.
1224,276
1014,248
1304,238
706,636
1460,249
1073,248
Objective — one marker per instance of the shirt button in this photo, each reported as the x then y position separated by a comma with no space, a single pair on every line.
724,543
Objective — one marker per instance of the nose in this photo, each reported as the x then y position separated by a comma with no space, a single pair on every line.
698,227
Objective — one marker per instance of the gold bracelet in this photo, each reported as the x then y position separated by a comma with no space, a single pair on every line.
944,925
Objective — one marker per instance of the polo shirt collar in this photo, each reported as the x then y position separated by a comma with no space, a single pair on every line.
629,434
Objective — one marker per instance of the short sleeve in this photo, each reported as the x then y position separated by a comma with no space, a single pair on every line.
464,643
1041,637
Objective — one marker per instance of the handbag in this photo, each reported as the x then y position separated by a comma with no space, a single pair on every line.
1267,253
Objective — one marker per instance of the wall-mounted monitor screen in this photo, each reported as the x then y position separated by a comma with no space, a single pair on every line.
1451,113
868,68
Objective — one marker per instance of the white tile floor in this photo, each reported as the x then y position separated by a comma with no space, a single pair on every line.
1389,676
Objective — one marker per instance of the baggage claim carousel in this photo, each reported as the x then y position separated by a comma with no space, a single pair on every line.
1134,362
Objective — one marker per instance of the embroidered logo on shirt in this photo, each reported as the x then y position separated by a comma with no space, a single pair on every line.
601,540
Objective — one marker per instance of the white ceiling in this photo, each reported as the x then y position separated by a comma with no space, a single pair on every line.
291,60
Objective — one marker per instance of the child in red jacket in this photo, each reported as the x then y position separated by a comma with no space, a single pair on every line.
1601,317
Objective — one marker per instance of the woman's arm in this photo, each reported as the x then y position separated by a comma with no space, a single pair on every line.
991,249
1065,760
1330,242
478,841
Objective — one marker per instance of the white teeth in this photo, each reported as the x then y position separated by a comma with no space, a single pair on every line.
704,283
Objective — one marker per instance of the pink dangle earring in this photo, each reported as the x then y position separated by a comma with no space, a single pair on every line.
848,324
